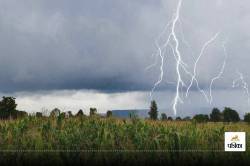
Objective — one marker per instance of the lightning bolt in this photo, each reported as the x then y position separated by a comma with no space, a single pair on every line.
204,47
244,85
177,55
173,43
161,70
219,74
179,83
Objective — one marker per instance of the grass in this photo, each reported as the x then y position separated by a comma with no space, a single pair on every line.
93,134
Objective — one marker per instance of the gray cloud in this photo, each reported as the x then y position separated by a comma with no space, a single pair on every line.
106,45
84,44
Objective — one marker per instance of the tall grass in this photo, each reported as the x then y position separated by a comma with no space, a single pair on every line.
85,136
109,133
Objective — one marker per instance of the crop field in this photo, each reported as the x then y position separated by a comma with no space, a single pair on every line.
104,138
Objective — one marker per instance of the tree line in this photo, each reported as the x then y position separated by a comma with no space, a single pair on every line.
8,111
227,115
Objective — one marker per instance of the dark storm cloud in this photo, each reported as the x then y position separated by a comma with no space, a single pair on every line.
107,44
71,45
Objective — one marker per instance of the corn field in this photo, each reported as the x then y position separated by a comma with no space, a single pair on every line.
104,138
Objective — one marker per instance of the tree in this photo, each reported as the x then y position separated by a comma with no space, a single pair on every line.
80,113
201,118
230,115
216,115
164,116
62,115
8,104
92,111
247,117
170,118
187,118
39,114
55,112
8,107
109,114
153,113
178,118
69,114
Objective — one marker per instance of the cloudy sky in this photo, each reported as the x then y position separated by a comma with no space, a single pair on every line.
78,54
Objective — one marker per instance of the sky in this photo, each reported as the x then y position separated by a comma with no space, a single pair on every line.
81,54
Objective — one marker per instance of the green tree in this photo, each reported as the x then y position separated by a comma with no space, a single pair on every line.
187,118
170,118
55,112
178,118
230,115
216,115
92,111
153,113
109,114
164,116
69,114
247,117
80,113
8,107
8,104
201,118
39,114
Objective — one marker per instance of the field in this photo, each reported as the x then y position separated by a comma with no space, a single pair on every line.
82,139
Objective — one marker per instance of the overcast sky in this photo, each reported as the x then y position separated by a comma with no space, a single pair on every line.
77,54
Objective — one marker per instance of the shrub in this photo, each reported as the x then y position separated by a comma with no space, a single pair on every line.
230,115
216,115
247,117
92,111
201,118
109,114
164,116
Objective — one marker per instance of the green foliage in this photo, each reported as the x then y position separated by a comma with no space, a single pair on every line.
92,111
8,109
55,112
8,104
111,133
39,114
187,118
69,114
164,116
230,115
216,115
109,114
178,118
201,118
153,113
247,117
80,113
170,118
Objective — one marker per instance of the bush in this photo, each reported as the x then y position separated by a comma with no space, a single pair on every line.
178,118
201,118
109,114
216,115
55,113
39,114
164,116
92,111
247,117
230,115
80,113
